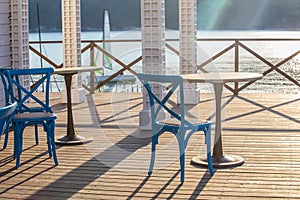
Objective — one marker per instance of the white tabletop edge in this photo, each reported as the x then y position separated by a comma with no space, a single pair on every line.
222,77
75,70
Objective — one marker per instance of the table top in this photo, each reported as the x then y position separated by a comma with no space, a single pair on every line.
222,77
75,70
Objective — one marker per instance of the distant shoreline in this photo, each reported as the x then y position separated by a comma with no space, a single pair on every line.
136,28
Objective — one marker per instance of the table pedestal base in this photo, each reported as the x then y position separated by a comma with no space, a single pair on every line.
226,161
76,140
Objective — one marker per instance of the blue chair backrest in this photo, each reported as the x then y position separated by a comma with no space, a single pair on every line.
5,88
6,114
23,94
176,82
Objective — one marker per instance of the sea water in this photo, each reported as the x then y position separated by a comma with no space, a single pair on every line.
273,51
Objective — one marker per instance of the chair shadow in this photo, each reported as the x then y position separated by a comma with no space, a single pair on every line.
201,185
20,172
99,171
270,108
8,159
101,168
143,183
261,108
166,185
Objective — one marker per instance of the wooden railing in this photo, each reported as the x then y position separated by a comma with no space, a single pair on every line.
238,43
235,45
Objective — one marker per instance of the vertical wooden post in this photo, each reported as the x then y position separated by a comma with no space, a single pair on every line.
92,63
236,64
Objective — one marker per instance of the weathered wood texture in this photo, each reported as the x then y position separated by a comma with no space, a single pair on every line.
262,128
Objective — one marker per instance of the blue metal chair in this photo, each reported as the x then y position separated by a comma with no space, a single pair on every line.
6,114
7,102
177,124
40,114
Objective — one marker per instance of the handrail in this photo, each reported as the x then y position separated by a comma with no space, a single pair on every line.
236,45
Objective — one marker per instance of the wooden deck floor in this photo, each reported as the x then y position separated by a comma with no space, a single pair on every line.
262,128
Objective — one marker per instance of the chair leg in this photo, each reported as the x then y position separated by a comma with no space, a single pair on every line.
49,141
54,151
16,140
181,145
17,144
210,165
18,161
208,146
21,140
48,127
36,134
182,159
152,158
52,141
6,138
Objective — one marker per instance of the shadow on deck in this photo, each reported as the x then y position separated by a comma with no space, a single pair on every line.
262,128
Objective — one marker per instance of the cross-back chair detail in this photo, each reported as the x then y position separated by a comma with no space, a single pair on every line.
40,114
182,128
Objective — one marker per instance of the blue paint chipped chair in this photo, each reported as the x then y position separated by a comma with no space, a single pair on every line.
177,124
40,114
6,114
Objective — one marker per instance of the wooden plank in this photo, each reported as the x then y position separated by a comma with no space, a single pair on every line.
115,164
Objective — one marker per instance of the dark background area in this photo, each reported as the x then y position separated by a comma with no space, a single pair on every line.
211,14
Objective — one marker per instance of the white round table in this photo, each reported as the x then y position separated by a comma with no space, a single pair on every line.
218,79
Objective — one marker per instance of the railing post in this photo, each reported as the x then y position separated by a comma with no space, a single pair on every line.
236,64
92,74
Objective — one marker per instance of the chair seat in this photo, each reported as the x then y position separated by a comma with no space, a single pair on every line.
34,116
175,122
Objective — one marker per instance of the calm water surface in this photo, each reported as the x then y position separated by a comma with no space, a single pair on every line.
273,51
